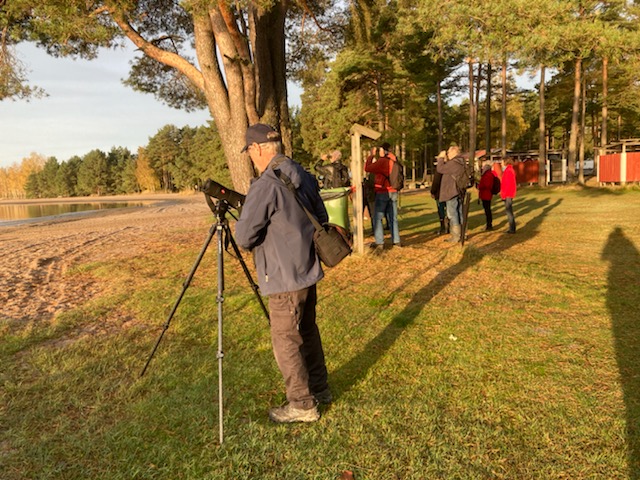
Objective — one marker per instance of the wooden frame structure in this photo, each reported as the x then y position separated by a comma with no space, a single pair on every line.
357,132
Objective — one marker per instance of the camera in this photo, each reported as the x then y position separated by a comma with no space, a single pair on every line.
224,194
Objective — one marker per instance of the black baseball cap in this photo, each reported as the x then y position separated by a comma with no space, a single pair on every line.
260,133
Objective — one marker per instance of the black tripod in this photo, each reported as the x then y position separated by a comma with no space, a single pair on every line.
224,236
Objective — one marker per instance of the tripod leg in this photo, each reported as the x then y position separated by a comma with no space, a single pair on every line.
253,284
221,227
184,289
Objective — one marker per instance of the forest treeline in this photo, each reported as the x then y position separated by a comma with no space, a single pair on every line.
402,65
175,159
424,73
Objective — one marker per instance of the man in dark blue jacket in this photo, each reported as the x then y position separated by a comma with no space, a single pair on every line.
277,230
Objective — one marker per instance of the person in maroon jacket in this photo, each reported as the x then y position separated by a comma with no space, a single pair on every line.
508,190
386,203
484,192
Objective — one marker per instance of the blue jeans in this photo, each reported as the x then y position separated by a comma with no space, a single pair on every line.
386,206
454,211
508,205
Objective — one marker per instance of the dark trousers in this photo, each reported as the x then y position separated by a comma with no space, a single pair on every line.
486,204
297,346
442,209
508,205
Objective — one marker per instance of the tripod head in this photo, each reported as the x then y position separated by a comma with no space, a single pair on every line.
219,208
223,194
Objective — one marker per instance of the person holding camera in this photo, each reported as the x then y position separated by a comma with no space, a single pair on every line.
451,167
278,232
386,202
335,174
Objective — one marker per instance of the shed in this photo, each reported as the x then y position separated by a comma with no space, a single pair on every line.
619,162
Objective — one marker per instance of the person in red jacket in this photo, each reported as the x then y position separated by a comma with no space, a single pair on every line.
484,192
386,202
508,190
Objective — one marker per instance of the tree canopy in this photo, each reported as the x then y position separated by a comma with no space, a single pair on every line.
238,72
421,71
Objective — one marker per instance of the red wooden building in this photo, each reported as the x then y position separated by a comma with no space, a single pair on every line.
527,167
619,162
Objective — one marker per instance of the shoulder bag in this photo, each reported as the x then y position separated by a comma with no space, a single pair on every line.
332,242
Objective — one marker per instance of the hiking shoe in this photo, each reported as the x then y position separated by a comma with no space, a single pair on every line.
289,414
324,397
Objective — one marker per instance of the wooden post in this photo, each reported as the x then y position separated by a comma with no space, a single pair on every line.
623,165
357,131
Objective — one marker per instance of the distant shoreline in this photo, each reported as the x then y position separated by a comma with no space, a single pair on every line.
149,200
142,197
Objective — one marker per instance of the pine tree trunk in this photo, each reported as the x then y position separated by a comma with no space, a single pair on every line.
440,119
380,105
504,109
605,106
487,117
583,120
575,118
542,139
472,116
243,78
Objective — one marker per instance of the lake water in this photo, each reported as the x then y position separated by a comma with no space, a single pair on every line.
16,212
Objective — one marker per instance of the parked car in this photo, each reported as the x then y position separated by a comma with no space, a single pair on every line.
589,166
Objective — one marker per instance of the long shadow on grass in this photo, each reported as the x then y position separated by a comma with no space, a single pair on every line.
623,293
526,229
349,374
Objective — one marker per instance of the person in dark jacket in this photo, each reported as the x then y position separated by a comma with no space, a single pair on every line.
486,195
335,174
435,194
508,190
452,167
278,232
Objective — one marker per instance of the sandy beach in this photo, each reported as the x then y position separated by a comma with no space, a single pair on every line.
35,254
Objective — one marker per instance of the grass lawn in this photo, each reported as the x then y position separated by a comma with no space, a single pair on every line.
515,356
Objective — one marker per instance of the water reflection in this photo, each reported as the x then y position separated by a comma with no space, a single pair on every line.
26,211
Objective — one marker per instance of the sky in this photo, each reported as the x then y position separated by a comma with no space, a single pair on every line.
88,108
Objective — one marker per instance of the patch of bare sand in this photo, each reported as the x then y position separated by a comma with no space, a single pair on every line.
36,255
